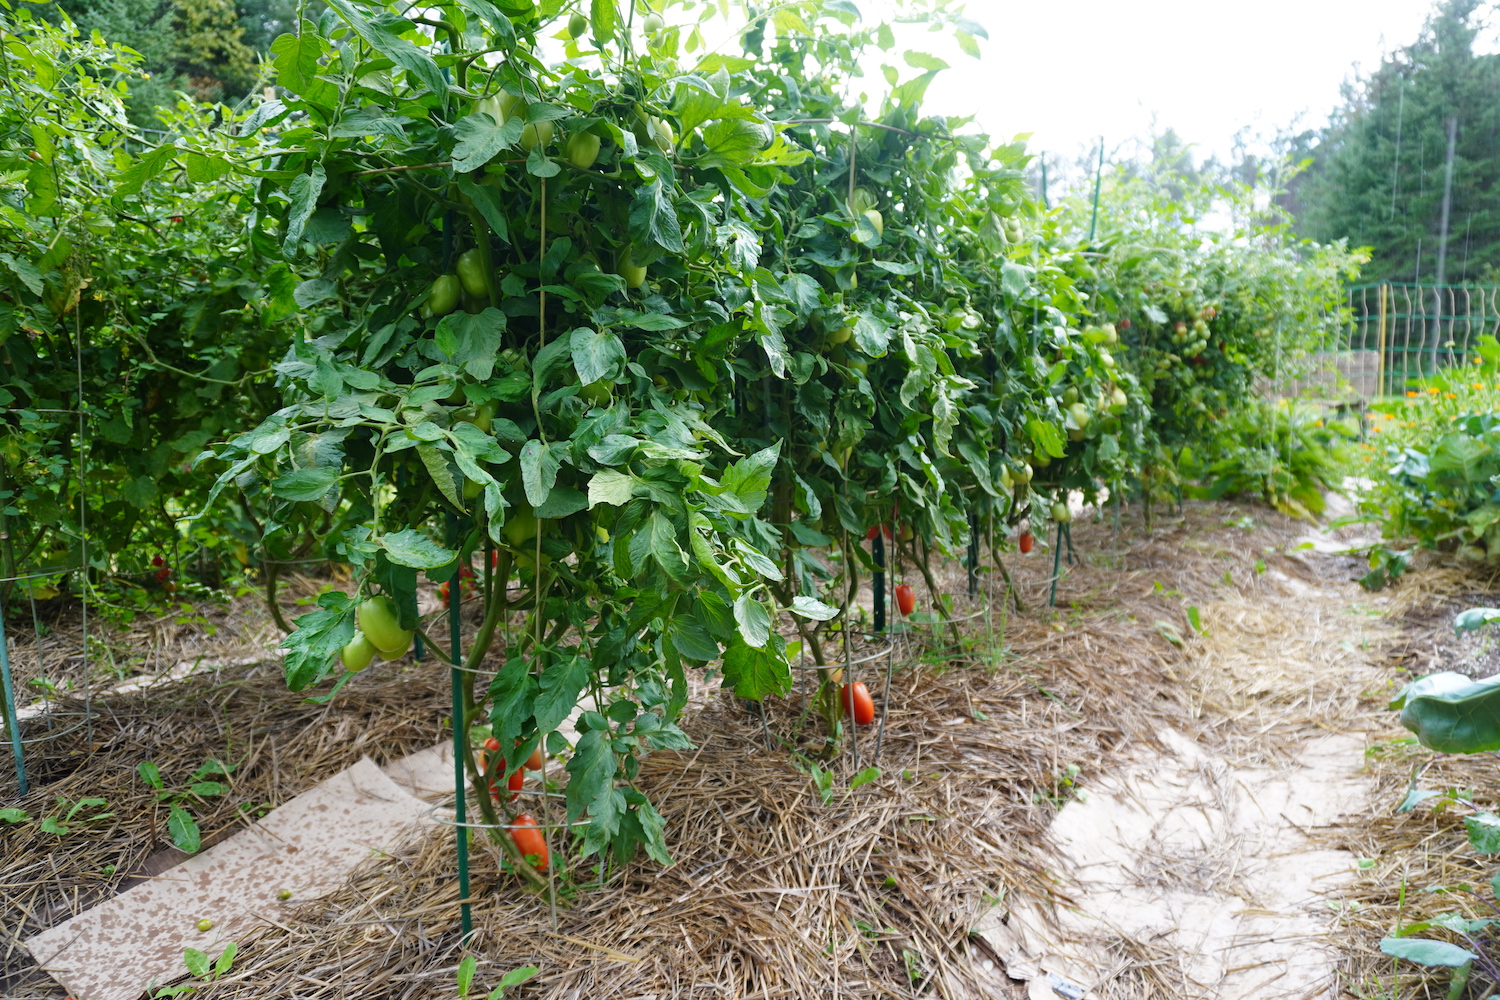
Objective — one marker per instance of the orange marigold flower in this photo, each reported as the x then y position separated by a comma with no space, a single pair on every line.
1450,395
1476,385
1411,394
1431,391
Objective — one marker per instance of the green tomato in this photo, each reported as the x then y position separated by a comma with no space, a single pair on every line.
600,392
380,624
662,135
1070,396
443,298
577,25
498,106
1118,400
1006,482
1061,512
862,200
841,335
519,528
471,273
582,149
358,654
653,23
634,274
876,219
1023,473
1041,459
481,416
536,134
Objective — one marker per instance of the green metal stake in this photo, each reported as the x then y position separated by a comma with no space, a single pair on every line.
1056,564
10,709
460,744
1098,179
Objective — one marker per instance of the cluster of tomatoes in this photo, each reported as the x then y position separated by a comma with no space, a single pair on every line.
467,590
163,574
523,829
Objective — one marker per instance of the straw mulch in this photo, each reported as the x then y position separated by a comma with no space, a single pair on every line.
1420,863
277,744
772,893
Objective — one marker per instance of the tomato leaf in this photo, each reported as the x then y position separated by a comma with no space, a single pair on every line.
304,195
757,673
596,355
305,484
384,35
317,640
603,16
539,467
561,682
472,341
811,607
612,487
749,478
591,773
410,547
512,695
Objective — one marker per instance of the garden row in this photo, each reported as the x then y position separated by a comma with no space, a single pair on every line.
657,332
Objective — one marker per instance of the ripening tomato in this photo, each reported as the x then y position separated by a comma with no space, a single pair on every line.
534,762
1025,542
870,535
492,744
906,599
858,704
529,839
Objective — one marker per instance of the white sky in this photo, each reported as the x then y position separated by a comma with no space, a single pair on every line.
1070,71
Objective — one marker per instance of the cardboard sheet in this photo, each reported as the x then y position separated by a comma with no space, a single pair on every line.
135,941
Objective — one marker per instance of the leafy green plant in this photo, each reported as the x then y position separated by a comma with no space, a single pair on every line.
514,977
181,825
199,967
1288,453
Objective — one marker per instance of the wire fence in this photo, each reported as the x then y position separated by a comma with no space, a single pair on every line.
1399,332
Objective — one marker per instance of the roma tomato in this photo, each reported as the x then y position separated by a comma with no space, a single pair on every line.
529,839
534,762
1025,542
358,654
471,273
906,599
858,704
380,624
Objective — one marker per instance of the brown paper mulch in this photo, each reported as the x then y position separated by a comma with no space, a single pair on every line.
772,891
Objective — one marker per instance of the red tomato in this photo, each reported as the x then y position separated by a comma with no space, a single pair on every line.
443,592
857,703
1124,324
162,574
492,744
870,535
515,783
1026,541
906,599
529,839
157,561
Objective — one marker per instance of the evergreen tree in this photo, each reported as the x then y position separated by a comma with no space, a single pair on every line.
1377,171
